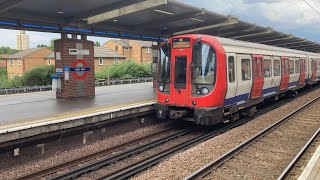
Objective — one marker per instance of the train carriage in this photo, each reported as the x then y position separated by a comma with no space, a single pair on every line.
209,79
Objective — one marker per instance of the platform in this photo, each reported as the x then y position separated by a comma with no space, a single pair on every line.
30,111
312,170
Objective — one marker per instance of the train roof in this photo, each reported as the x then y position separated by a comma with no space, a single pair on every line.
243,47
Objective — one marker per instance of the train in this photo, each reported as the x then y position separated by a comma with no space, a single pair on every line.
210,80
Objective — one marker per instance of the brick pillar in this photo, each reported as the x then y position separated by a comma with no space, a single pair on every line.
76,58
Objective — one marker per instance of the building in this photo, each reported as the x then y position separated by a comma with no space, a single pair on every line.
139,51
102,57
22,41
50,59
19,63
3,63
105,56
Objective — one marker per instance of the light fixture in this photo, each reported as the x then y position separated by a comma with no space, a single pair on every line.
195,19
204,90
164,12
115,20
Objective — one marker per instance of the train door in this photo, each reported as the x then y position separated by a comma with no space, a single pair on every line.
232,81
181,91
258,77
302,71
313,69
285,76
244,78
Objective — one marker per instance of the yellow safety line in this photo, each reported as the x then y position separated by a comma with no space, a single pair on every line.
69,115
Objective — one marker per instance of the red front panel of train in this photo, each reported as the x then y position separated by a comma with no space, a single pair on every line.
186,76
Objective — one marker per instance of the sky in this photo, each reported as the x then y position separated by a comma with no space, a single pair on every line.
289,16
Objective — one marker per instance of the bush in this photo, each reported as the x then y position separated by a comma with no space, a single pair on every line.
125,70
39,75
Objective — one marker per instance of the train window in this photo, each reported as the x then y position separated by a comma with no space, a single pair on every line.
291,65
267,68
276,67
246,69
164,65
297,66
231,69
203,64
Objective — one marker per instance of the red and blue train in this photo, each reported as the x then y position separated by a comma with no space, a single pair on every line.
209,79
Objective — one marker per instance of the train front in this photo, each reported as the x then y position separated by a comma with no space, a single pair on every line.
191,82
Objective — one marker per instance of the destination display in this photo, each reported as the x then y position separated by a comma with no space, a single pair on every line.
181,43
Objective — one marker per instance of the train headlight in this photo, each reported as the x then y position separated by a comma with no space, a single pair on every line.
161,88
204,90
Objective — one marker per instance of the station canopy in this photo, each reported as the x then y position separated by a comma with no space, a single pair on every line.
150,20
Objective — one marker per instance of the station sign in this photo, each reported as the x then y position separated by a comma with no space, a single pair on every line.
79,51
66,73
59,71
80,69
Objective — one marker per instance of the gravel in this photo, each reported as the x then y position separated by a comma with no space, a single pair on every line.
184,163
13,167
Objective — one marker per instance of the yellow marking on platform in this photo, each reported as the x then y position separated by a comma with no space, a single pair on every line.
70,115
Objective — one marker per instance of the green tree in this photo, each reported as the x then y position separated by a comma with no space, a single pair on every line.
39,75
7,50
51,46
41,45
97,43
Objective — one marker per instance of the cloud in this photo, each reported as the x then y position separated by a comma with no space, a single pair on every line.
290,16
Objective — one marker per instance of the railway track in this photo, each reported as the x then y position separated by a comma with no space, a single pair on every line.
106,157
270,154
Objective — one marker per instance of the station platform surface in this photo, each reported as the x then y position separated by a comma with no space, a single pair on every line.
24,109
312,170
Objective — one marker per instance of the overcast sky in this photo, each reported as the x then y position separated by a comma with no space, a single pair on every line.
290,16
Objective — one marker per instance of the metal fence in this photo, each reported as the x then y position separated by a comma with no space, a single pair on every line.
100,82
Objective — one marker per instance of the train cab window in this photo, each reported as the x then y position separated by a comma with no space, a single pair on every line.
276,67
297,66
291,65
231,70
164,64
203,64
246,69
267,68
180,70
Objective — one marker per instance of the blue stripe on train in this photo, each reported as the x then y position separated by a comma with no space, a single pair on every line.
236,99
293,84
270,90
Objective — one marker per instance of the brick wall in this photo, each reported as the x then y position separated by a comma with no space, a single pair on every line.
3,63
15,69
36,59
75,87
50,61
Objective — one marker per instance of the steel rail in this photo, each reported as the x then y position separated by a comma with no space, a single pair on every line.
55,168
131,170
216,163
289,168
119,156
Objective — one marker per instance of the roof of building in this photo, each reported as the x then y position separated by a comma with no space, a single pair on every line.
104,52
24,53
3,56
144,43
50,56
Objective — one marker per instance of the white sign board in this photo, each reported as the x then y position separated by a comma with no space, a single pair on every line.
79,51
59,70
66,75
58,56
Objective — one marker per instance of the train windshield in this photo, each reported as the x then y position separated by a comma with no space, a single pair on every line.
164,64
203,64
